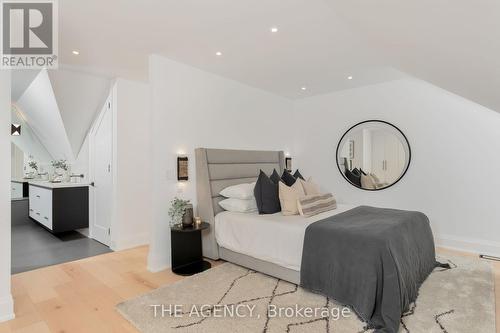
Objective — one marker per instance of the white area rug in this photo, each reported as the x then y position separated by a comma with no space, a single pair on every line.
460,299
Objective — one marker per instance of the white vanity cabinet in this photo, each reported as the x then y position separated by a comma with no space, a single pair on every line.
59,208
41,205
16,190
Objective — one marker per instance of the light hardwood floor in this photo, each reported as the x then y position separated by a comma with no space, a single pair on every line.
80,296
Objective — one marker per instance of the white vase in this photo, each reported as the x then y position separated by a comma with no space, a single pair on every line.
67,175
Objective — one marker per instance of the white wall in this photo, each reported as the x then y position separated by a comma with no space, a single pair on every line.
81,164
6,303
16,162
132,164
192,108
455,155
28,142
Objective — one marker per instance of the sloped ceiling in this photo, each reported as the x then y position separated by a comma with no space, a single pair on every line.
28,142
454,44
79,96
21,80
38,107
71,96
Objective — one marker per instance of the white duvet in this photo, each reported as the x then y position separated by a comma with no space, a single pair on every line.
274,238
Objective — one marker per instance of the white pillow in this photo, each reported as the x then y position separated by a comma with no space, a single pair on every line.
310,187
368,182
288,197
239,205
240,191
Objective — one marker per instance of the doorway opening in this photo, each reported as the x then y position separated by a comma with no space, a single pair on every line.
60,149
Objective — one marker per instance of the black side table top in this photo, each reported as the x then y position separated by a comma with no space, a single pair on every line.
192,228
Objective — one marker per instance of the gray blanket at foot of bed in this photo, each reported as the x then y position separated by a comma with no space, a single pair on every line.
372,259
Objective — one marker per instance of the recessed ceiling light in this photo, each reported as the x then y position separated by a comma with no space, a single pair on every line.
274,29
303,88
218,53
75,52
349,77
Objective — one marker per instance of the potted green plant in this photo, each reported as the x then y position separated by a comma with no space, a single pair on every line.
60,164
180,212
33,169
33,165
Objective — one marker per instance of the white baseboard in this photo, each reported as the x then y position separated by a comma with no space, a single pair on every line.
471,245
157,264
6,308
157,267
478,246
128,243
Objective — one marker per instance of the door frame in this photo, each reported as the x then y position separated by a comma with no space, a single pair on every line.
92,135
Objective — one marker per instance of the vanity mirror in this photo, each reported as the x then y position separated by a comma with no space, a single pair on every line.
373,155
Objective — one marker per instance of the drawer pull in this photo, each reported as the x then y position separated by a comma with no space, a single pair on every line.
37,213
38,196
45,217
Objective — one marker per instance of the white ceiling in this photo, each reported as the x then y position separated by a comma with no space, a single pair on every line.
454,44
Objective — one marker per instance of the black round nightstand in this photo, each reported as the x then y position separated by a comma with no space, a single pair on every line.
187,257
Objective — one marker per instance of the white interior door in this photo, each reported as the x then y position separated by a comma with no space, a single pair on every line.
391,158
103,177
378,154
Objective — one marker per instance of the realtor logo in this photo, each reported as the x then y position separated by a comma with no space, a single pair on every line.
29,34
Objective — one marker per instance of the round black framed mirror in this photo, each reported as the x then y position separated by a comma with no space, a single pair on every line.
373,155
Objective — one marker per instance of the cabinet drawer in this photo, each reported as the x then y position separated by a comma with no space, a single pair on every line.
46,221
41,205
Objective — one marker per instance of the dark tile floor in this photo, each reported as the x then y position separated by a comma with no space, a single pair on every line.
34,247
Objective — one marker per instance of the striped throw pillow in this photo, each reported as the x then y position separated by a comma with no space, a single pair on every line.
311,205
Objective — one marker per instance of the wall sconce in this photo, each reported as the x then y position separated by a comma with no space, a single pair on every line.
15,129
182,168
288,163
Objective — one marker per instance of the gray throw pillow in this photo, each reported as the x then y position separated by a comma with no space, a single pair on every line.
267,195
275,176
297,175
288,178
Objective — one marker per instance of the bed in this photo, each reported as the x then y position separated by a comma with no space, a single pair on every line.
388,252
217,169
280,238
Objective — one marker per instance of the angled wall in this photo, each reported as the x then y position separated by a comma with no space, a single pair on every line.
40,110
79,97
28,142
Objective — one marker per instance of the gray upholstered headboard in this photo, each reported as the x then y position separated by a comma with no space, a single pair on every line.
217,169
